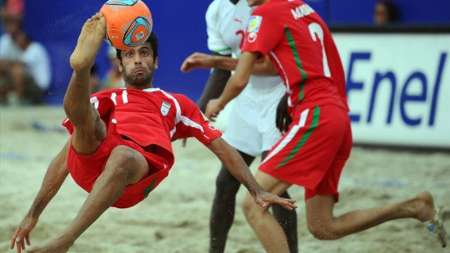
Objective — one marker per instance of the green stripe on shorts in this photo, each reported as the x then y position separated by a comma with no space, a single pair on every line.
305,137
150,187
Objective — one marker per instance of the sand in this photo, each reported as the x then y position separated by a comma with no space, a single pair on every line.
175,216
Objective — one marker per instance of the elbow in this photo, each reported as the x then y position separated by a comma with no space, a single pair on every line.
268,69
240,83
272,71
220,148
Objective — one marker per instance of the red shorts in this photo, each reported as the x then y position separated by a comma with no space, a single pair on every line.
314,150
85,169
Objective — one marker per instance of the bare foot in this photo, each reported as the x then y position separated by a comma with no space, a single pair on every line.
52,246
423,207
89,42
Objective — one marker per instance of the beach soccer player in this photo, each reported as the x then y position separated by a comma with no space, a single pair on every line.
120,149
313,151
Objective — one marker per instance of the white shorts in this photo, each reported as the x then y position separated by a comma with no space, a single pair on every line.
250,124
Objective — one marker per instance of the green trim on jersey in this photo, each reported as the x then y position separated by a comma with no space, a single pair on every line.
305,137
221,51
298,62
301,92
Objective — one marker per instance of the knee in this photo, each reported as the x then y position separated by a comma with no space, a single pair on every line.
121,160
251,210
226,185
322,231
18,74
69,106
18,70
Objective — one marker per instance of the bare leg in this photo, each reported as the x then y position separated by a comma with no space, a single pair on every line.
18,77
89,129
321,222
266,227
287,220
323,225
125,166
5,81
222,212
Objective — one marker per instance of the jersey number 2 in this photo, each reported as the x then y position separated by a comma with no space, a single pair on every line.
316,32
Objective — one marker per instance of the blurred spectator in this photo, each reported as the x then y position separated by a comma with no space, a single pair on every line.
12,7
386,13
113,78
2,8
2,11
24,65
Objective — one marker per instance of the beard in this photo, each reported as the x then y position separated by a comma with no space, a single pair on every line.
138,81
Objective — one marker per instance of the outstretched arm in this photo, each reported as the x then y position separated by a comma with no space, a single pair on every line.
53,179
214,86
237,167
234,86
199,60
262,66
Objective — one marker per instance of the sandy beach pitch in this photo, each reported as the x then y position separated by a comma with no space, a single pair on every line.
175,216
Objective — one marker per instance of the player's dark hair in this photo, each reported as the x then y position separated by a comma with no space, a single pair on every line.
152,40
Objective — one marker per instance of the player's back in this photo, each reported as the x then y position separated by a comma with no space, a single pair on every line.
306,54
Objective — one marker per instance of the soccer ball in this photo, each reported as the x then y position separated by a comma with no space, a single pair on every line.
128,22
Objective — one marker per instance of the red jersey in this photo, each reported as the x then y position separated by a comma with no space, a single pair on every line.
302,49
152,117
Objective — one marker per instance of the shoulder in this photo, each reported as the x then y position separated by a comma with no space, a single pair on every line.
213,11
36,46
36,49
5,38
183,99
269,9
185,103
217,10
175,98
6,41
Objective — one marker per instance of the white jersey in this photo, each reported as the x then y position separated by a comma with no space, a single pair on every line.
251,116
226,23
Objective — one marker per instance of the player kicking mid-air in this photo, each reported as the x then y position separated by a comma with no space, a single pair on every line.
313,151
119,149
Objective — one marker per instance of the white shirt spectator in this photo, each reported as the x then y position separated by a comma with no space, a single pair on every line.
37,61
35,58
8,49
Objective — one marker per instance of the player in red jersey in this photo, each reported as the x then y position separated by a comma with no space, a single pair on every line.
119,149
317,143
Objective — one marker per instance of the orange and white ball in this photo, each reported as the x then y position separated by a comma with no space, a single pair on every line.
128,22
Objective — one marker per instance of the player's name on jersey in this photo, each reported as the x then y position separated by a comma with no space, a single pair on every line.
302,11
